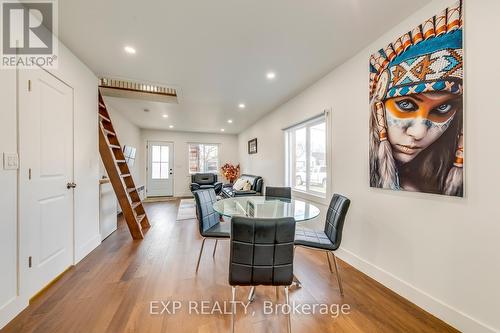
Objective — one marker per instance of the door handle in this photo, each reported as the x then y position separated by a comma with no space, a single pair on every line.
70,185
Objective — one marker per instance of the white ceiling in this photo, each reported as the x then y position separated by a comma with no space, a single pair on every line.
217,52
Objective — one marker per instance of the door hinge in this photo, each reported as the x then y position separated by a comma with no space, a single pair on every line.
29,85
29,173
29,261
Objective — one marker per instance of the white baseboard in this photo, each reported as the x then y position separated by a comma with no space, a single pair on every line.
11,309
88,247
436,307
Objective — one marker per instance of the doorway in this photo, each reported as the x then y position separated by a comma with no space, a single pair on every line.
160,172
46,185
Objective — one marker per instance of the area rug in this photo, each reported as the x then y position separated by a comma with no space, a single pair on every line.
187,210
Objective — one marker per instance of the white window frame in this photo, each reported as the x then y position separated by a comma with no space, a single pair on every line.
314,196
204,144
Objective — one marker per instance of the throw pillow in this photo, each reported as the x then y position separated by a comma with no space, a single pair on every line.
247,186
238,185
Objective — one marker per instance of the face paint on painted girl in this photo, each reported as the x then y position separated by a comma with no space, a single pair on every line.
415,122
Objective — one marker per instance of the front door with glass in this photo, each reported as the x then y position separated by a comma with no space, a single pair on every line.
160,169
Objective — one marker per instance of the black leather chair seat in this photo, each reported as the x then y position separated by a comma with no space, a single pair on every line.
313,238
220,230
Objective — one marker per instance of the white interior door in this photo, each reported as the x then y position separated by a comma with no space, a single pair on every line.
45,178
160,169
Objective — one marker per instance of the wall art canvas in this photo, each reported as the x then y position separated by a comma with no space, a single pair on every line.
416,108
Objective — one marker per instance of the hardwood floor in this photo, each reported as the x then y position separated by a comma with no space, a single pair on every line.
111,290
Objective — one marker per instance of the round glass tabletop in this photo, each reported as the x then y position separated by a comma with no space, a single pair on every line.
266,207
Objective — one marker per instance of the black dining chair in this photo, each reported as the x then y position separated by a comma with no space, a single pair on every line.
209,220
279,192
329,239
261,253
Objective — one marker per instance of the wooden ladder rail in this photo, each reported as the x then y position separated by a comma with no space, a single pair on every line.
119,175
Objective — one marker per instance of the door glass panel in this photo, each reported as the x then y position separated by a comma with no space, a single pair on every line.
164,154
156,153
155,171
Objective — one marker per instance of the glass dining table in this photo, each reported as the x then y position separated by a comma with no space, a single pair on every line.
266,207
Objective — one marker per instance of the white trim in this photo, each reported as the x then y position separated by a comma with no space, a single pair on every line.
88,247
11,309
429,303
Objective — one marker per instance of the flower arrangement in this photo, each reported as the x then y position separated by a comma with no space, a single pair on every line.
230,172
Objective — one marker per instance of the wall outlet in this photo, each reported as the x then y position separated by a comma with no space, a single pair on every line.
10,161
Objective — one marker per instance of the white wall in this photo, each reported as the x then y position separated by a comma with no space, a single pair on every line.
439,252
130,135
86,174
228,152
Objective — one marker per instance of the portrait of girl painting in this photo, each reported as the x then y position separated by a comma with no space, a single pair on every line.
416,102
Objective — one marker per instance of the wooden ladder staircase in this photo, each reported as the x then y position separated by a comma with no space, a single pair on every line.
119,175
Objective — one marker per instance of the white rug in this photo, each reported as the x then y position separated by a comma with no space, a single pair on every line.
187,210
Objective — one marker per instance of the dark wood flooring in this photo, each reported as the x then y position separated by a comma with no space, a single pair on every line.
111,290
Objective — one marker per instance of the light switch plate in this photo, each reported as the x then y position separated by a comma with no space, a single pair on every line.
10,161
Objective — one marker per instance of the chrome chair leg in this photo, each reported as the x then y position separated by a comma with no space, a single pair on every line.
199,257
251,295
329,262
215,248
338,275
233,307
287,300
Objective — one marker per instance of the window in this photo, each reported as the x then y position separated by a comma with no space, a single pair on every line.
129,153
159,162
203,157
306,157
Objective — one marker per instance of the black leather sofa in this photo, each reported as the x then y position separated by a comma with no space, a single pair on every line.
256,189
201,181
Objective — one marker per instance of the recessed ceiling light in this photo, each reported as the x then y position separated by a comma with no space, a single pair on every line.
165,116
230,121
171,126
241,106
222,130
129,49
271,75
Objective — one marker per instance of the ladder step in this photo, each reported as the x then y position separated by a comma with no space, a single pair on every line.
103,117
115,147
107,132
140,218
121,161
131,189
136,204
102,105
125,175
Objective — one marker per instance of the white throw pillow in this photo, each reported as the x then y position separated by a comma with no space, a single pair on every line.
247,186
238,185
